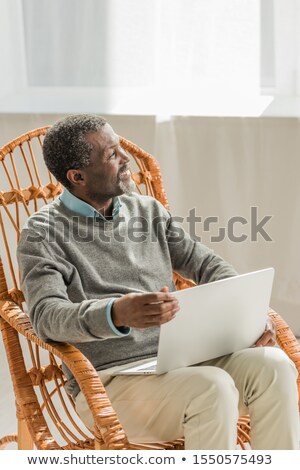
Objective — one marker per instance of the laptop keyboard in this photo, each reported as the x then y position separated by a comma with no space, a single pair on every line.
152,367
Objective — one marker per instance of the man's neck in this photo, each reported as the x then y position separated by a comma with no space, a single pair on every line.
104,207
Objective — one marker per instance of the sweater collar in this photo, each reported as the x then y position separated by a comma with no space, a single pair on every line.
75,204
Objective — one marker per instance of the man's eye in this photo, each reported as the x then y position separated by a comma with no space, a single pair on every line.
113,154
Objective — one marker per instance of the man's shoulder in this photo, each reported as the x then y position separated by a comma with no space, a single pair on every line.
43,216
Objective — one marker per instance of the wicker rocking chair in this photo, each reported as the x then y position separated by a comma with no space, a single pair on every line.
45,414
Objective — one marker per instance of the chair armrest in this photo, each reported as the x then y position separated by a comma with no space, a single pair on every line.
287,341
107,425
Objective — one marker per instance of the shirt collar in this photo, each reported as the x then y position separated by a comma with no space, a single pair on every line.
75,204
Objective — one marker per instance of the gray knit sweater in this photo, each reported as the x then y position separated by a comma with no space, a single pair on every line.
72,266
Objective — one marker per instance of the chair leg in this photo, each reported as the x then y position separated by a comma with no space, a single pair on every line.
25,441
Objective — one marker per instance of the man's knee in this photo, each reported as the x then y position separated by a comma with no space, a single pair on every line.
276,360
217,401
281,365
219,385
270,368
225,389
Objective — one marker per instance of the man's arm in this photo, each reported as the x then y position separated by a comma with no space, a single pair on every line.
53,315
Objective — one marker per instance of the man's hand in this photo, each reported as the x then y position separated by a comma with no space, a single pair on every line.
144,310
268,338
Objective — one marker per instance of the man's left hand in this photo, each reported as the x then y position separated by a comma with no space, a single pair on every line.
268,338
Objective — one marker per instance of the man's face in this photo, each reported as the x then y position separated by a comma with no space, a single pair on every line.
108,173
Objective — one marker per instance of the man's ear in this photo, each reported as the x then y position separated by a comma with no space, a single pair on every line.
76,177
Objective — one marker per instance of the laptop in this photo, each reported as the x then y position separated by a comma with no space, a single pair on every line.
215,319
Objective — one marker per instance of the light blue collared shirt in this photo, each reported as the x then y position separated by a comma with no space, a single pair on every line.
83,208
75,204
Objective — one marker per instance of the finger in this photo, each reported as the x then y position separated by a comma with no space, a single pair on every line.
152,297
164,311
168,318
164,289
161,308
272,342
159,319
264,339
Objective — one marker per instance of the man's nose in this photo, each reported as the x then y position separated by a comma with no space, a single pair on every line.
124,156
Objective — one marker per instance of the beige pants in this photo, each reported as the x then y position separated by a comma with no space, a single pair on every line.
202,402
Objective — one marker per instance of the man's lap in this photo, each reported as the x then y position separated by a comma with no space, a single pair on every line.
145,396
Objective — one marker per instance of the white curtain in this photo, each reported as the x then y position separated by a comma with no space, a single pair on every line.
194,45
191,44
287,47
13,76
280,47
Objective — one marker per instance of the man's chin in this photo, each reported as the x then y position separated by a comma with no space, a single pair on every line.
127,187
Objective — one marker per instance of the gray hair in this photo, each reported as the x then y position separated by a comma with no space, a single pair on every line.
65,146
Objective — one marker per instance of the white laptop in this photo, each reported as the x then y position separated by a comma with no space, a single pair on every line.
215,319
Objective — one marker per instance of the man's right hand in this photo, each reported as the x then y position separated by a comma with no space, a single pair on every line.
144,310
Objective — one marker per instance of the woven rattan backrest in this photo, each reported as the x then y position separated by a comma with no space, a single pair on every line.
25,185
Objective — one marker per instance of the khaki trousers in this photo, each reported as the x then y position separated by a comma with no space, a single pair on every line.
202,402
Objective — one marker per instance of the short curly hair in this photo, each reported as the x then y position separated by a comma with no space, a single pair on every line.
65,146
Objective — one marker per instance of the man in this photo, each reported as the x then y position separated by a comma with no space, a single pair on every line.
90,282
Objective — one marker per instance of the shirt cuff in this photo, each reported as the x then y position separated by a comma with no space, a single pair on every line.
118,330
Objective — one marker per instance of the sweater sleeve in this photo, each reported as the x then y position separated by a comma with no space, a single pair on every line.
53,316
193,260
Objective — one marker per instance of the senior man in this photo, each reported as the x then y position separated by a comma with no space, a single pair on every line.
87,281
